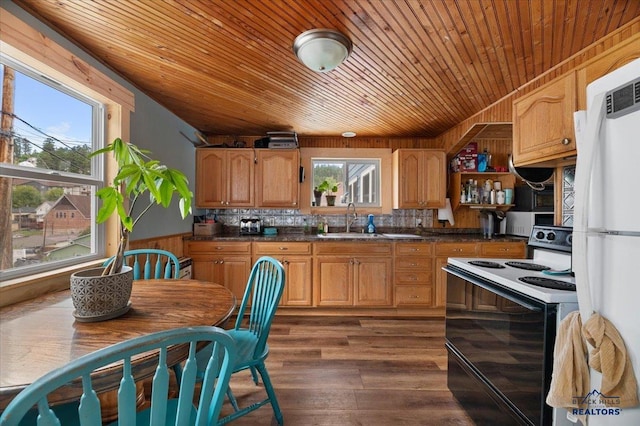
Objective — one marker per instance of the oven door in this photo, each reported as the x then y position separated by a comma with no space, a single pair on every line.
503,341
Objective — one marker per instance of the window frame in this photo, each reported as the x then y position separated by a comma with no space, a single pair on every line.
386,174
66,65
95,179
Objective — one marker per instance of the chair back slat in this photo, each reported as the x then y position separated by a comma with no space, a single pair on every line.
264,289
206,411
127,393
89,409
166,264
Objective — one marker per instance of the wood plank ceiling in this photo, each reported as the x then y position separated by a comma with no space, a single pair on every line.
418,67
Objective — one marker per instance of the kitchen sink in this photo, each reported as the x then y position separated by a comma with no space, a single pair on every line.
350,235
402,236
361,236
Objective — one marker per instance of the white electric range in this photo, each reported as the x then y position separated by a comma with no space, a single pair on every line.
500,330
546,277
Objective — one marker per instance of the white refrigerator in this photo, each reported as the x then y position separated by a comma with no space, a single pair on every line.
606,232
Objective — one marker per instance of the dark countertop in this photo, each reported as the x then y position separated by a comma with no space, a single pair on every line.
299,236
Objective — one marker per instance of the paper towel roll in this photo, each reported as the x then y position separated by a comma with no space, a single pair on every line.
446,213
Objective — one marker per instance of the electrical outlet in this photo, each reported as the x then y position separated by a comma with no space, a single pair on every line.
418,223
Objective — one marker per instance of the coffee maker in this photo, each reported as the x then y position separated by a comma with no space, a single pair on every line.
493,223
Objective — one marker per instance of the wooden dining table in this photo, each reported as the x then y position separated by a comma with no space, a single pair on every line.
41,334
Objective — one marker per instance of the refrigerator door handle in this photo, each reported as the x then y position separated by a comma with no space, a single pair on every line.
588,142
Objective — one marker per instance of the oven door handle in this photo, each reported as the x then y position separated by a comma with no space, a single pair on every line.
499,292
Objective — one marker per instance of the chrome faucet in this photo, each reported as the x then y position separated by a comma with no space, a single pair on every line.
352,219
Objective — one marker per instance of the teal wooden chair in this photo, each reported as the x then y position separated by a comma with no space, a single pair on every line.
163,409
166,264
258,307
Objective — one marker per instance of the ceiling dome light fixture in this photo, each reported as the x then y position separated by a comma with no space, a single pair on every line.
348,134
322,49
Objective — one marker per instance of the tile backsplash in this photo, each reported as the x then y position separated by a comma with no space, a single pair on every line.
290,217
568,197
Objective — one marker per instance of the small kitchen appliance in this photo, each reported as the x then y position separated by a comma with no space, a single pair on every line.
502,317
250,226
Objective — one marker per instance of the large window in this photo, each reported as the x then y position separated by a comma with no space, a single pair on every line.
47,180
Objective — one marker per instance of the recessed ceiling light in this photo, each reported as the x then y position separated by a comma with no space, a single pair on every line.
348,134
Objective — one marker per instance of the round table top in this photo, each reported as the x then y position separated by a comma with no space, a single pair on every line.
41,334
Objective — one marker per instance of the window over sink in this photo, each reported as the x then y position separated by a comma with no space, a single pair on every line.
340,181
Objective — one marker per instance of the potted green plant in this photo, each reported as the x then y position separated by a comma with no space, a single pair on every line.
317,194
139,179
329,186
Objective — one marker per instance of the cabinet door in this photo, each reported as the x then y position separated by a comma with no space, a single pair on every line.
435,184
233,273
372,277
240,178
333,283
211,172
297,290
543,122
441,282
410,179
277,178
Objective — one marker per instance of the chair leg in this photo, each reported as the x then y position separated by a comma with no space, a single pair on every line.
254,374
270,392
232,399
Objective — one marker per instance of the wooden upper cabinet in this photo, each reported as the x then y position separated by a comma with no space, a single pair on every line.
603,64
224,178
543,122
419,179
277,178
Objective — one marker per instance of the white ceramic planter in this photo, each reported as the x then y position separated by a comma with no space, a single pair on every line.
98,298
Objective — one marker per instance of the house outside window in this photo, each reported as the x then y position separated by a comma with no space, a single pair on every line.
48,177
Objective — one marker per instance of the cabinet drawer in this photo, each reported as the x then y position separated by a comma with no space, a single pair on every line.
414,295
414,249
237,247
456,249
413,277
516,250
414,263
271,248
357,249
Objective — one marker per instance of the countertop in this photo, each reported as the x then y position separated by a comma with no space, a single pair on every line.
300,236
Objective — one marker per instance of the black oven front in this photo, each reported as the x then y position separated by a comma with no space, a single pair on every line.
500,350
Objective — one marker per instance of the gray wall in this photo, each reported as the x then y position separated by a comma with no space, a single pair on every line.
153,127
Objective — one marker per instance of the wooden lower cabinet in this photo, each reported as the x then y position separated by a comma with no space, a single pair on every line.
501,250
296,259
413,275
344,277
442,252
225,263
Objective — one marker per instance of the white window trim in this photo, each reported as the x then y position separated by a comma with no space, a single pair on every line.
37,51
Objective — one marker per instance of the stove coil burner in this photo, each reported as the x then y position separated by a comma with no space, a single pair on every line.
528,266
486,264
548,283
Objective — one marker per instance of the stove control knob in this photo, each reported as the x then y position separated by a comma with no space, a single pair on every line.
539,235
551,236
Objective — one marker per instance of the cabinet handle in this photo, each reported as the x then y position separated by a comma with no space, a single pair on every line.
414,264
219,248
294,203
285,262
566,141
283,248
221,262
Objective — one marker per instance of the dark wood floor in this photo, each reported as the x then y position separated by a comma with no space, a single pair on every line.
354,371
